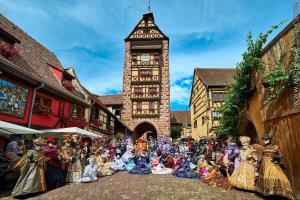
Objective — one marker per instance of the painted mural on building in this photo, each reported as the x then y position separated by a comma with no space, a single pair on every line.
13,99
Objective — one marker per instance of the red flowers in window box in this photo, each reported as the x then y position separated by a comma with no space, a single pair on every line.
111,128
138,91
68,84
156,58
7,50
97,122
145,73
152,91
151,110
75,122
43,110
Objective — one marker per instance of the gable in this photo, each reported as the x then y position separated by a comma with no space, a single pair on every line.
146,29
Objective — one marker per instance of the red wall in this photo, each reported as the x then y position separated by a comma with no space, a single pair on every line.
58,73
13,119
60,109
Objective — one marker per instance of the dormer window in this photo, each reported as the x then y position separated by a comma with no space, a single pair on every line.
7,42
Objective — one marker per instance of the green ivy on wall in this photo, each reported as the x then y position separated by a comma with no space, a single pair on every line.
239,91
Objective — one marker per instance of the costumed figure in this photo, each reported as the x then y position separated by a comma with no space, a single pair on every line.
157,167
141,146
90,172
167,160
130,162
54,174
32,176
112,149
105,167
233,152
85,151
271,179
202,166
118,164
141,165
184,169
75,167
244,176
66,153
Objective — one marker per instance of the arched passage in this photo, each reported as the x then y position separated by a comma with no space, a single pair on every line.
251,132
144,129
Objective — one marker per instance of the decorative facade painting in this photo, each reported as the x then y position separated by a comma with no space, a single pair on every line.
13,99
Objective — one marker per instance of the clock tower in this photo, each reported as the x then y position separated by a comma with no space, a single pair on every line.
146,85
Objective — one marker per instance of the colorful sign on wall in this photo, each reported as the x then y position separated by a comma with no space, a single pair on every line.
13,99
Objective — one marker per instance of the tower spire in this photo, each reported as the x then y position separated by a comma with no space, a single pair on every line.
149,10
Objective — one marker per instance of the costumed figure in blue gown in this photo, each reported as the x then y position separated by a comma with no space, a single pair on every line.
141,165
184,170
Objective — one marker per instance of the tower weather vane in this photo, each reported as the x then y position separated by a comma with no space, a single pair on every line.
149,6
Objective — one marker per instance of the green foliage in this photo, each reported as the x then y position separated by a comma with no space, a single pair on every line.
277,81
176,132
239,91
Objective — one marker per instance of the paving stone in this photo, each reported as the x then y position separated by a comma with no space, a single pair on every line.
137,187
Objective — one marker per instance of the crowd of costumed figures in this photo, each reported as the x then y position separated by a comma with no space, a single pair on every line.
223,162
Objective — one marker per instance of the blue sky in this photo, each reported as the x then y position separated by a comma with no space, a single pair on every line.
89,34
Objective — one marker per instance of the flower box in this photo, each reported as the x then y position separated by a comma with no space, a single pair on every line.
75,122
7,50
43,110
156,58
68,84
111,128
97,122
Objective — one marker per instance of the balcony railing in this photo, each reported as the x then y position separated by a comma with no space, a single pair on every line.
145,112
147,79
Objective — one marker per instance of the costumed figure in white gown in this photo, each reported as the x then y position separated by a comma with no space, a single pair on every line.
90,172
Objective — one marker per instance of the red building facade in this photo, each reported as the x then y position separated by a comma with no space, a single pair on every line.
34,89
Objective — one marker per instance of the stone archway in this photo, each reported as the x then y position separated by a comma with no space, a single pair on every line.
144,129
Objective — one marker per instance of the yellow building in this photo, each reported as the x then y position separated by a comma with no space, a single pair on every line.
207,95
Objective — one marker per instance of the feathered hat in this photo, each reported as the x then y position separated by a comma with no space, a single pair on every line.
51,139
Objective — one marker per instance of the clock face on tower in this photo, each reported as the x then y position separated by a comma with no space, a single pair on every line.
145,57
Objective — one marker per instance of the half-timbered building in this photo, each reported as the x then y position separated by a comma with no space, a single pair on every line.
207,95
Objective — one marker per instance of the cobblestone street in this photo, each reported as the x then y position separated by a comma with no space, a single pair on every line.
126,186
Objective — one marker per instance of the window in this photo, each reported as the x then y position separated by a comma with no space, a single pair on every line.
95,113
218,96
42,101
216,115
151,107
146,31
195,124
76,111
145,57
203,120
139,106
194,108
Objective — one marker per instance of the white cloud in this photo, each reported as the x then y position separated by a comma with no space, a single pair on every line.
180,95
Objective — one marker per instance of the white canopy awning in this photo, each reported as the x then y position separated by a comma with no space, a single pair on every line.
9,128
71,130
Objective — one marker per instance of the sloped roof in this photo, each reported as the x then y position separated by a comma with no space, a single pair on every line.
113,99
216,76
33,58
180,117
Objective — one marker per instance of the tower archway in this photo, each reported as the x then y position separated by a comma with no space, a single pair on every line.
144,129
